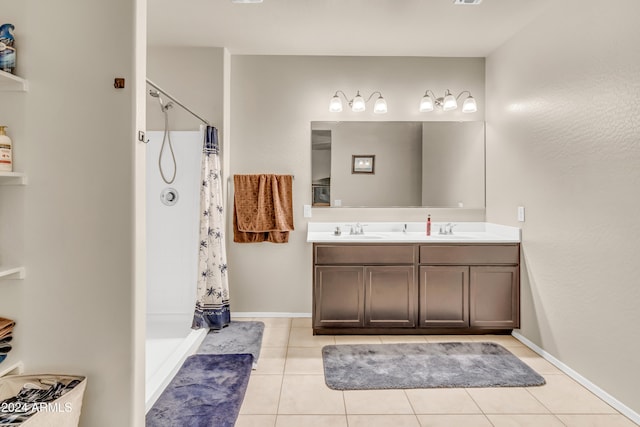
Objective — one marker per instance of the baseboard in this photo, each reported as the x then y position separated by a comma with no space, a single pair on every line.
615,403
267,314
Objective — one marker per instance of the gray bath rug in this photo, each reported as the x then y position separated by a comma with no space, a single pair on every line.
401,366
237,338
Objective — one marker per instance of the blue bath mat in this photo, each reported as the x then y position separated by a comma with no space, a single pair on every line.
207,391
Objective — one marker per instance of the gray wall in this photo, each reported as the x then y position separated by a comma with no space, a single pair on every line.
273,101
563,126
74,221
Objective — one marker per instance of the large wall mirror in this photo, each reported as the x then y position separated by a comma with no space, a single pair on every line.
398,164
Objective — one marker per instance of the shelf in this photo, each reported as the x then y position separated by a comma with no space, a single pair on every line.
11,367
12,272
12,83
13,178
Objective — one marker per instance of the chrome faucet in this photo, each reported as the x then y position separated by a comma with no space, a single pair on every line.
447,229
357,229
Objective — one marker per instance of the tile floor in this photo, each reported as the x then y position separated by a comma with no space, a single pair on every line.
288,390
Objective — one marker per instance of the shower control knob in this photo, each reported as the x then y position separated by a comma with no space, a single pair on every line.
169,196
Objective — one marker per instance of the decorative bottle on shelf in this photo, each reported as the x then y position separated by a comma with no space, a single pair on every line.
7,50
429,225
6,158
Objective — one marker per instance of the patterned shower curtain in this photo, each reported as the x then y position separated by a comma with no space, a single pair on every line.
212,305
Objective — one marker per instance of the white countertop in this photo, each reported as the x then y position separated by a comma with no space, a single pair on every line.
392,232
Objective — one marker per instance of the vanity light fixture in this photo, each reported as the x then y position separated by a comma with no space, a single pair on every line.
358,103
448,102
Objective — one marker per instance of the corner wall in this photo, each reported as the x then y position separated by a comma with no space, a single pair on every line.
563,126
75,141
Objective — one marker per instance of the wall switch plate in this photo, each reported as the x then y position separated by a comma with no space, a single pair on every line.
337,202
521,213
307,211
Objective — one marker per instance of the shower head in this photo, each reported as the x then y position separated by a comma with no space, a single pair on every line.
163,107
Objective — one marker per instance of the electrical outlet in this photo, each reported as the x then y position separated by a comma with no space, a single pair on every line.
307,211
521,213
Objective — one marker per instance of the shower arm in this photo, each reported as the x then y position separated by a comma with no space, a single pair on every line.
158,88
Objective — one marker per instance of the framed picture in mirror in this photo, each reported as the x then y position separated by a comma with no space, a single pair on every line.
363,163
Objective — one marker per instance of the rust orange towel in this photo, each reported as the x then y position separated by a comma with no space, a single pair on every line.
263,208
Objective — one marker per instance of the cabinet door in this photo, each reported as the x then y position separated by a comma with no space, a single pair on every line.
444,296
338,296
495,297
390,296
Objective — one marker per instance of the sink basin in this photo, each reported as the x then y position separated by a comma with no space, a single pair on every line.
452,237
360,236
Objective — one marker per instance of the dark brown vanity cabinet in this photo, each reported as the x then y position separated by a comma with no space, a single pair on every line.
469,286
415,288
494,295
370,286
390,295
339,296
444,296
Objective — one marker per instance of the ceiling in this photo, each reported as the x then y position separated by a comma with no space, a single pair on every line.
341,27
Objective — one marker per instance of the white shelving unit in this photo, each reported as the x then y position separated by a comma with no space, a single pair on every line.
13,178
12,368
12,83
12,272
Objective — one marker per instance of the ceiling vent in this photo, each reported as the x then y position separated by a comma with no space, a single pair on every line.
471,2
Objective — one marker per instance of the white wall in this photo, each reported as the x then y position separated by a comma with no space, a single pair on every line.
74,138
563,125
273,101
172,231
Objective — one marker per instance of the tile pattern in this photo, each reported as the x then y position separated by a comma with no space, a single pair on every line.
288,390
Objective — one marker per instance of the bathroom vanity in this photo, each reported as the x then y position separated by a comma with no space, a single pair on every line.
393,279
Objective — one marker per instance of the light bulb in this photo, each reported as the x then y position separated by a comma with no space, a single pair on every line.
426,104
335,105
380,107
449,103
358,104
469,105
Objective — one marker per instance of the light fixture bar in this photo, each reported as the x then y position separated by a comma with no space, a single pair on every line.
358,104
448,102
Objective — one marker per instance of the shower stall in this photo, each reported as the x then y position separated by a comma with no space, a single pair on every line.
172,249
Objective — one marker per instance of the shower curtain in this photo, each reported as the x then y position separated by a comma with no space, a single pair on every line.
212,304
